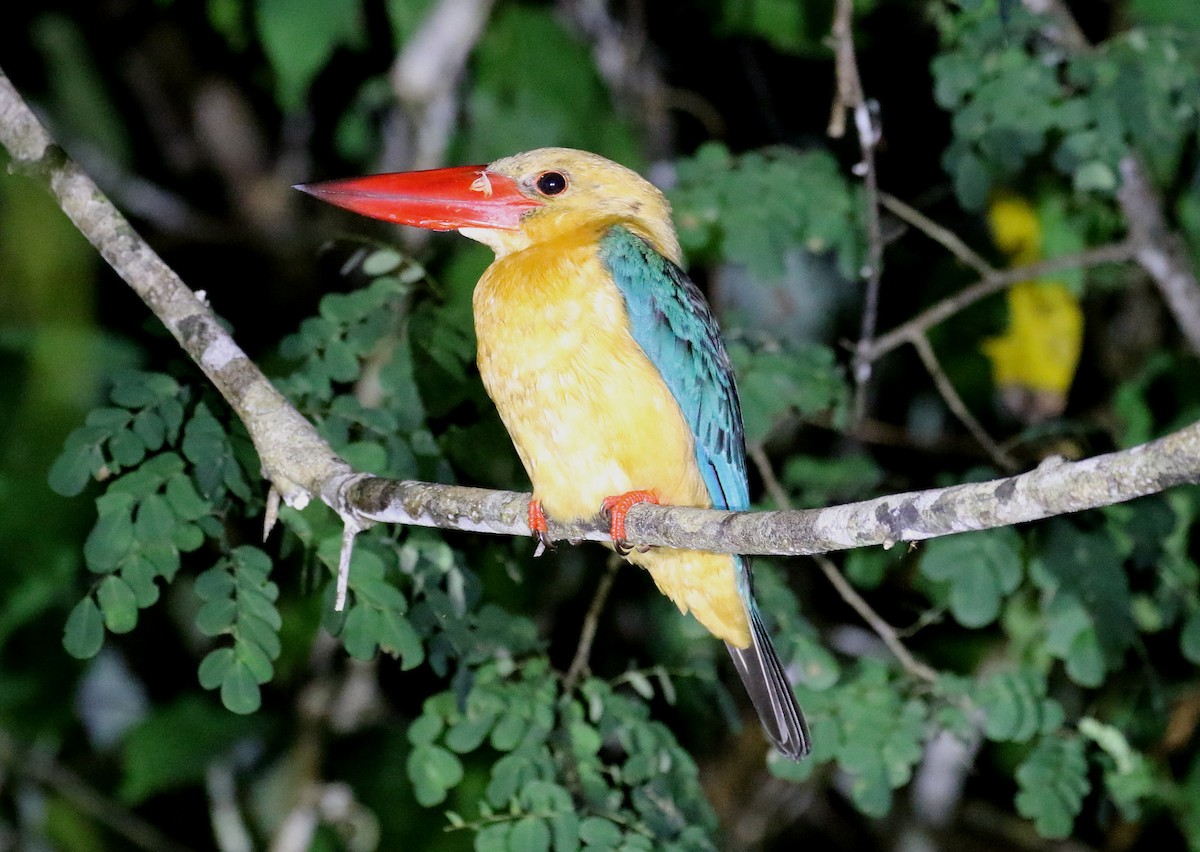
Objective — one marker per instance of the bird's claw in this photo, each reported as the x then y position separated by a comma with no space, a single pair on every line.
615,509
539,527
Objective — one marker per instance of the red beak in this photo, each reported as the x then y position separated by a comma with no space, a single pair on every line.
438,199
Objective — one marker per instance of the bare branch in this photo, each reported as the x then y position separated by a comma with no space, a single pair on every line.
850,96
1055,487
883,630
841,585
942,236
989,285
591,621
40,768
1159,251
955,403
294,456
424,77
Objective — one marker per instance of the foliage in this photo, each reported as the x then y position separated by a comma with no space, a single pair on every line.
1063,654
1081,111
753,208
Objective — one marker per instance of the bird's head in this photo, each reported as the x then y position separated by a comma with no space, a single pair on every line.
514,202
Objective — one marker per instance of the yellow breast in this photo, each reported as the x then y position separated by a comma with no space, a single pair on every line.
589,414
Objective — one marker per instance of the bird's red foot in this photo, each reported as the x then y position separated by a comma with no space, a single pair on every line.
539,527
616,508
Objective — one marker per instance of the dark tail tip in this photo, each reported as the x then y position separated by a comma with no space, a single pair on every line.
770,692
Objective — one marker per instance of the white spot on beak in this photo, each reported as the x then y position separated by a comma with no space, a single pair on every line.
483,184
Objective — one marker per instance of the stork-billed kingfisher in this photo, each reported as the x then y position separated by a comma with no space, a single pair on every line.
607,368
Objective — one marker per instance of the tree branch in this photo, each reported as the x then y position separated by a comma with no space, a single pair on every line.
944,237
300,464
846,591
956,405
850,97
989,285
1159,251
1055,487
294,456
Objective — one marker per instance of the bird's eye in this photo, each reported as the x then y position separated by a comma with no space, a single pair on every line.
551,183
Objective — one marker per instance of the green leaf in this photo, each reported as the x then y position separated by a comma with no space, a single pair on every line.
361,632
214,584
215,666
1016,706
640,683
425,728
341,361
1095,176
254,629
150,429
1086,600
509,774
254,658
112,536
133,389
880,737
493,838
74,468
469,732
126,448
398,638
185,501
1189,637
819,669
510,730
601,833
1128,775
216,617
239,690
154,522
1052,781
381,262
529,834
84,632
108,419
298,50
981,568
433,771
139,572
118,604
805,379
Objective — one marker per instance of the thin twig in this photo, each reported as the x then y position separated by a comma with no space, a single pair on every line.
766,470
877,623
989,285
849,96
40,769
840,584
591,621
942,236
946,388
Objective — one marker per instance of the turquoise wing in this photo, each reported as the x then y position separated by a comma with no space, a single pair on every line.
673,325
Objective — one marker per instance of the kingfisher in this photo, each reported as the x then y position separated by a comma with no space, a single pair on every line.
607,368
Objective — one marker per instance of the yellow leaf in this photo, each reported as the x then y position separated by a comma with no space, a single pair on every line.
1040,350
